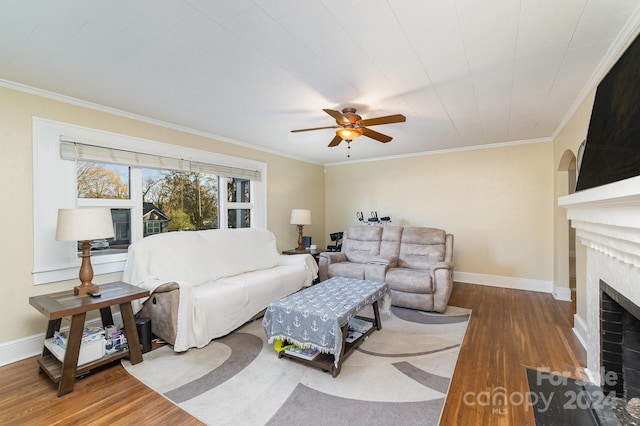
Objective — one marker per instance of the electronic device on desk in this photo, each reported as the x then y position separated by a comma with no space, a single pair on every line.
336,237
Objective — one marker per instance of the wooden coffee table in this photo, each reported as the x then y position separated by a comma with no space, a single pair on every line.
318,317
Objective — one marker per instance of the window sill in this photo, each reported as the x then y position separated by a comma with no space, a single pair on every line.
114,263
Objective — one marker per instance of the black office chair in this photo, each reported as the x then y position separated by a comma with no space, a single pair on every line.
336,237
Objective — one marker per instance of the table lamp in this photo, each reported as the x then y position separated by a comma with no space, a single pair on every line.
84,225
300,217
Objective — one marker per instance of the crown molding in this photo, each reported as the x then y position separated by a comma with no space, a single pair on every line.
446,151
120,113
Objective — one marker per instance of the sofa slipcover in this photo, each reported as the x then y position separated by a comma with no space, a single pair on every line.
205,284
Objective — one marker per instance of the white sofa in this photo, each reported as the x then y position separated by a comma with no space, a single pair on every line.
205,284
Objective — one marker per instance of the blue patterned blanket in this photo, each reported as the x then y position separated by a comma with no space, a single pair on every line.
314,317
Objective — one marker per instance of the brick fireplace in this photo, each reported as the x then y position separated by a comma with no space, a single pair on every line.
619,344
607,222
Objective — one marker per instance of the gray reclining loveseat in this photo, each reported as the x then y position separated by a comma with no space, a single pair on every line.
416,263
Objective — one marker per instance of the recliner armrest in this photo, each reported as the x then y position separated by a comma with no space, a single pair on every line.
440,265
327,258
391,261
166,287
333,257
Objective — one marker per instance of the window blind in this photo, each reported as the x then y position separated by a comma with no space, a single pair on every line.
74,151
226,171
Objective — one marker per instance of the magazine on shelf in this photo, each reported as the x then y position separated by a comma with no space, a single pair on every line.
89,334
359,325
306,353
352,336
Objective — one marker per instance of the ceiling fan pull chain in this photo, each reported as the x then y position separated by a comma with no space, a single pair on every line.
348,149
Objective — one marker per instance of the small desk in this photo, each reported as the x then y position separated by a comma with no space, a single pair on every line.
56,306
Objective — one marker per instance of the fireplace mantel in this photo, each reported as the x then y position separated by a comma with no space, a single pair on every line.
607,218
607,222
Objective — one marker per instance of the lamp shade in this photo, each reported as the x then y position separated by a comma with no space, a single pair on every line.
84,224
300,217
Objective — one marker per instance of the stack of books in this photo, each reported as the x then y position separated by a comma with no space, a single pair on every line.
91,347
304,353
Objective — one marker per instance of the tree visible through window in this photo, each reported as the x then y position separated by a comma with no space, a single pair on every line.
99,180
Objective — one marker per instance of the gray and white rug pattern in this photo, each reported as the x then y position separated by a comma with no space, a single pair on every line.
400,376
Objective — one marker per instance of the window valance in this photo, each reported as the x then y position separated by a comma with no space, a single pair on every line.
74,151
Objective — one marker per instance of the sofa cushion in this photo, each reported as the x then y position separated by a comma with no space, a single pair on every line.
362,242
409,280
390,242
421,247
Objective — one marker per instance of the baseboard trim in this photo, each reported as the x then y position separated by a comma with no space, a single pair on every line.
19,349
580,330
26,347
505,282
562,293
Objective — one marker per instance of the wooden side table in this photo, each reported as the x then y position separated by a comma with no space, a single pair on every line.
56,306
315,253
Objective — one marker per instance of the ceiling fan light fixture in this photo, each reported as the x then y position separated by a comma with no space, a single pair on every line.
349,133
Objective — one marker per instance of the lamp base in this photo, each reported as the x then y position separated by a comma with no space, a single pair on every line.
84,289
301,246
86,272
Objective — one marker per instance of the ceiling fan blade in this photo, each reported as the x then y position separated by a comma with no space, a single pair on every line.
335,141
337,115
375,135
387,119
314,128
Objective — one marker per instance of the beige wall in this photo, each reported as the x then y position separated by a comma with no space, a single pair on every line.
291,184
569,139
498,202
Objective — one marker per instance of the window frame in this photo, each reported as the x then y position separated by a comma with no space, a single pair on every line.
54,186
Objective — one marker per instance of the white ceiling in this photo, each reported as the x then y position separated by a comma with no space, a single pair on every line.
463,72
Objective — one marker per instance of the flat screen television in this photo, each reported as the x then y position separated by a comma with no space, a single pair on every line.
612,148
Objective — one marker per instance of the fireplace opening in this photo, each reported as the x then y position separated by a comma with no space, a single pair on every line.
619,344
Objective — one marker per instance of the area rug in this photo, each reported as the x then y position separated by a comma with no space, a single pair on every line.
400,375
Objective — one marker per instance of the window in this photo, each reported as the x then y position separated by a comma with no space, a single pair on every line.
154,189
153,228
238,203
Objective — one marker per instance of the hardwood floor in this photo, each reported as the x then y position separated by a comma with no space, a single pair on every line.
509,330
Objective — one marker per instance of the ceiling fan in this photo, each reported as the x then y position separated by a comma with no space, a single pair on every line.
350,126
